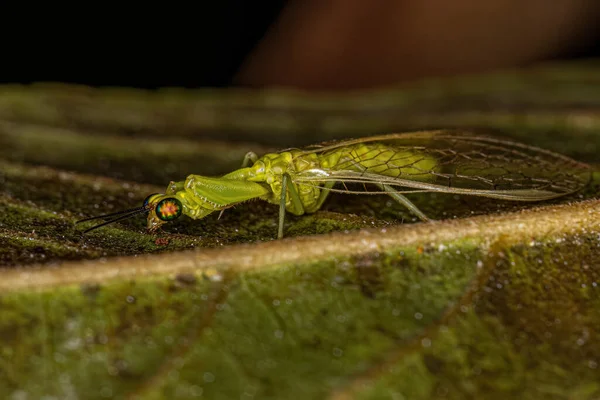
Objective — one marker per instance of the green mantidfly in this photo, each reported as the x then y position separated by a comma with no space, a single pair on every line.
299,180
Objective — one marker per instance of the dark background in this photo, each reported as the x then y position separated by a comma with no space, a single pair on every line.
201,45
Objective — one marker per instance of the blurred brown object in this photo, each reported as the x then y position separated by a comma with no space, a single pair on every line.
356,44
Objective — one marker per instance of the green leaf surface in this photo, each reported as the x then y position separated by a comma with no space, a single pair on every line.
495,300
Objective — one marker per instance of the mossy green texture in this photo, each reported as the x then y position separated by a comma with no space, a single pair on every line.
224,334
416,322
527,332
360,301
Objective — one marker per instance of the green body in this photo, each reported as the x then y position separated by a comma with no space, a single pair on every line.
426,161
264,179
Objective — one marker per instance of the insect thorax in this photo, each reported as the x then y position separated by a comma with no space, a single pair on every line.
270,169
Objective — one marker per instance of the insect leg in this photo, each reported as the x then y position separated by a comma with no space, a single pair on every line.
401,199
284,182
249,159
404,201
322,197
285,179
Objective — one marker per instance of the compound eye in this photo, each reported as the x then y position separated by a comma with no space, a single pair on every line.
169,209
147,199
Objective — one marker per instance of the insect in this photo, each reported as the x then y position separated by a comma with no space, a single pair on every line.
299,180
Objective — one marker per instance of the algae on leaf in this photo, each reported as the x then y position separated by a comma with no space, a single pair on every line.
360,301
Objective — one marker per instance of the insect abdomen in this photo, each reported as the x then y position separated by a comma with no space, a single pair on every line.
377,158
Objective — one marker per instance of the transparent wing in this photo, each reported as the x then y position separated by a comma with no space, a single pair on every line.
447,161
